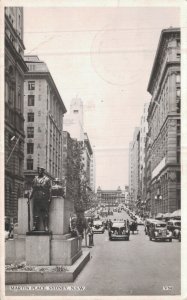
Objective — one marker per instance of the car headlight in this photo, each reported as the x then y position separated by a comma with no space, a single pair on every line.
156,233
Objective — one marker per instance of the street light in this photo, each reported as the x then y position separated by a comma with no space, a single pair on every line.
13,139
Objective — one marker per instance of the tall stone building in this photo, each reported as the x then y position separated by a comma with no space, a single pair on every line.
74,124
74,120
134,167
15,68
164,124
44,111
92,171
143,133
70,170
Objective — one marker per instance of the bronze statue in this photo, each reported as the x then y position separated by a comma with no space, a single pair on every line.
41,194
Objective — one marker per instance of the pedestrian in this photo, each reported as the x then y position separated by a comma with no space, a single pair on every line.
90,235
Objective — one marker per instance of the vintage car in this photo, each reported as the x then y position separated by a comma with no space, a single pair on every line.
98,227
147,224
158,231
175,227
119,231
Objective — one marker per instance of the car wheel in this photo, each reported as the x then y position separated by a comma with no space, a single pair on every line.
170,240
150,238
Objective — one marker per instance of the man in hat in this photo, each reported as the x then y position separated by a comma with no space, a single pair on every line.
41,194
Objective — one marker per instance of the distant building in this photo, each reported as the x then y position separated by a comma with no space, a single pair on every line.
164,124
109,197
74,121
87,158
134,166
147,178
44,111
70,172
92,172
126,193
15,69
143,133
74,124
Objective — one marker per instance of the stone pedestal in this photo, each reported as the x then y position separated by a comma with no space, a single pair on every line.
23,215
44,248
65,251
59,215
38,249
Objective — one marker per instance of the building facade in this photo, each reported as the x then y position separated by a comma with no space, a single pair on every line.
143,133
134,167
43,112
109,197
15,69
74,121
87,157
70,170
92,172
74,124
164,124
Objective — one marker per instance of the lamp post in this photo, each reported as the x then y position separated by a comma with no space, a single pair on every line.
12,139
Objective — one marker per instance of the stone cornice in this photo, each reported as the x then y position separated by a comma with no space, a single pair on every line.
168,70
17,57
48,77
165,35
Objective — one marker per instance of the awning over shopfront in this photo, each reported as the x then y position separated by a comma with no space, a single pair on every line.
167,215
159,216
176,214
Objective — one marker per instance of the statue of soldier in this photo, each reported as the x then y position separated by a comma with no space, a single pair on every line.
41,194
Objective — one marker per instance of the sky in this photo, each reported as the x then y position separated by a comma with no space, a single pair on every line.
105,57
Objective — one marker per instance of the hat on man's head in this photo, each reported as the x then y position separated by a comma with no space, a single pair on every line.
42,168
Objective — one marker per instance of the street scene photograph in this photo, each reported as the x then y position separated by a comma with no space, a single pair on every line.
92,151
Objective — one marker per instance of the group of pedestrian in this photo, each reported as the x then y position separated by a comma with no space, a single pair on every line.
133,226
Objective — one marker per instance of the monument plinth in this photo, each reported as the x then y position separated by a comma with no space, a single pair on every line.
54,246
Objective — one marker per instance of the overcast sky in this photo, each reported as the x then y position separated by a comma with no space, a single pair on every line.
105,56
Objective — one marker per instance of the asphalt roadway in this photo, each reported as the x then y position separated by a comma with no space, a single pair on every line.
121,268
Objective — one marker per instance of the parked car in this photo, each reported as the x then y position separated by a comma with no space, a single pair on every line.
147,224
98,227
119,231
175,227
158,231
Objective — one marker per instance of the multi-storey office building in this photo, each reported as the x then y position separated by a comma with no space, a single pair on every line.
70,172
164,123
143,132
147,177
74,121
15,68
134,167
74,124
44,110
92,171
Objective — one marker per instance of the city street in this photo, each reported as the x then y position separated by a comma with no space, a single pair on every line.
135,267
92,124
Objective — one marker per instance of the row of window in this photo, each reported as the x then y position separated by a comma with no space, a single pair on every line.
30,167
30,132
